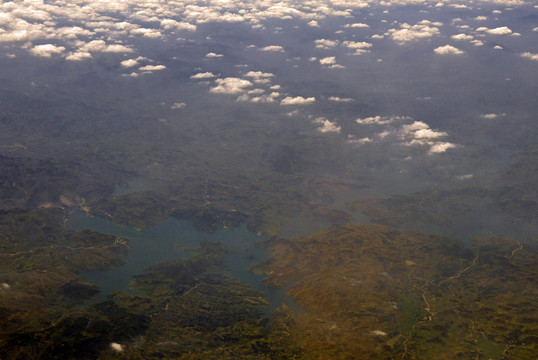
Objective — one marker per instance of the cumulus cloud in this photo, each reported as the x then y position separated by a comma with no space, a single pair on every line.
152,68
339,99
351,139
529,55
326,126
356,25
447,50
325,44
360,47
329,60
230,85
78,56
441,147
503,30
273,48
260,77
47,50
491,116
461,37
204,75
380,120
129,63
213,55
419,133
102,46
421,30
298,100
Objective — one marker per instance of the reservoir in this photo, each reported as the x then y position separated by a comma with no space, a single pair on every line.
175,239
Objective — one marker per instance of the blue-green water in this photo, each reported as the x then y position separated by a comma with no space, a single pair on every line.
173,239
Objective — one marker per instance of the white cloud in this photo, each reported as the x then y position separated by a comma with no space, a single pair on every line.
298,100
325,44
441,147
78,56
101,46
149,33
339,99
327,60
462,37
273,48
357,44
502,30
429,134
230,85
213,55
481,18
326,125
152,68
47,50
336,66
169,24
258,74
491,116
129,63
447,50
529,55
380,120
352,140
204,75
415,32
356,25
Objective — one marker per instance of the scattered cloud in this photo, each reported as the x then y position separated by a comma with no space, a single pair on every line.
492,116
230,85
325,44
273,48
356,25
326,126
441,147
339,99
380,120
152,68
503,30
298,100
129,63
327,60
447,50
213,55
462,37
351,139
529,55
78,56
47,50
204,75
422,30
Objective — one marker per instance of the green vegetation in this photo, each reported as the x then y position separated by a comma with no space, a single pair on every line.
380,293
